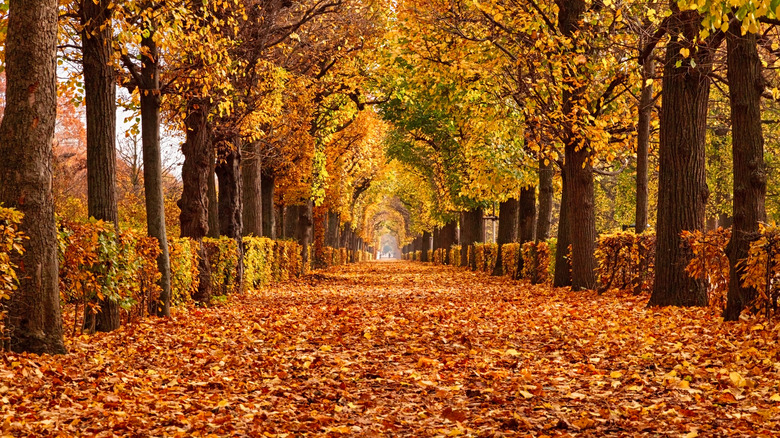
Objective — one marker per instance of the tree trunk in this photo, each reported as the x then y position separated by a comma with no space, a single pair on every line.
526,220
320,225
269,212
251,190
577,166
229,179
34,321
426,246
472,230
153,185
100,100
646,104
304,229
449,237
745,88
194,201
507,230
291,217
546,192
213,196
682,187
562,275
334,223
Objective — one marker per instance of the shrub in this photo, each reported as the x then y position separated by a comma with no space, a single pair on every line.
510,258
762,268
626,261
455,255
258,262
223,259
96,263
11,239
709,262
183,253
536,262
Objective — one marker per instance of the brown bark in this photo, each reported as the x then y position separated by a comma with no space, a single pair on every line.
745,88
251,190
34,321
212,195
334,226
562,275
320,225
153,186
194,200
228,171
507,230
304,230
449,237
577,166
682,187
526,220
546,192
426,246
472,230
267,188
100,101
291,217
646,104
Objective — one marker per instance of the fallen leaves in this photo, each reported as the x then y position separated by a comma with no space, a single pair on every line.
402,349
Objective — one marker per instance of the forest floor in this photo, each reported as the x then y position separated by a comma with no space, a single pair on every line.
402,349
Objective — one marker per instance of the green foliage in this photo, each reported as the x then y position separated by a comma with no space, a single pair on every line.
258,262
223,259
183,253
97,263
485,255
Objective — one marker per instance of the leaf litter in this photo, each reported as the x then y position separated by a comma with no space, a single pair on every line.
403,349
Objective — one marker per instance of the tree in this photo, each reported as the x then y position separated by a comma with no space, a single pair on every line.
26,135
682,188
100,100
745,88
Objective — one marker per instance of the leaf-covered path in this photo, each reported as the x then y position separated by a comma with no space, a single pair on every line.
401,349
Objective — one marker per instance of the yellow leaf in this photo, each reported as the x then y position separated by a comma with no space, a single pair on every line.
775,398
616,374
512,352
685,52
222,403
526,394
737,379
326,348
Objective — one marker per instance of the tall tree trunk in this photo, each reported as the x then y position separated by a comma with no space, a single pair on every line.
745,87
449,237
304,229
251,190
682,187
426,246
334,224
153,185
194,200
213,196
320,224
267,188
577,166
646,104
507,230
562,275
472,230
526,213
229,179
34,321
291,217
546,192
100,100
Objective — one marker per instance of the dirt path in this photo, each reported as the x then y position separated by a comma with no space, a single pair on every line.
401,349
